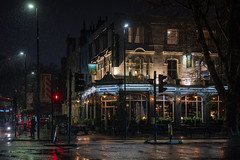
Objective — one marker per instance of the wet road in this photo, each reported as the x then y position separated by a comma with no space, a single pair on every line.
118,149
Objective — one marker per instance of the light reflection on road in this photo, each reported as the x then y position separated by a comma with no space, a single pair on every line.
108,150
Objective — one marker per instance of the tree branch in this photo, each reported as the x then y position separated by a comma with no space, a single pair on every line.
197,15
218,22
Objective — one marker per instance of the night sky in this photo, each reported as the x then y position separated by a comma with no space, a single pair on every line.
57,19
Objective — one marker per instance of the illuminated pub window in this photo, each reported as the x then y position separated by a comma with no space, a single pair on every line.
172,36
216,107
191,105
137,106
139,67
139,37
130,35
189,60
165,106
136,34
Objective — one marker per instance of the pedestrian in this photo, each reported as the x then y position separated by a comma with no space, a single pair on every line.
33,127
25,122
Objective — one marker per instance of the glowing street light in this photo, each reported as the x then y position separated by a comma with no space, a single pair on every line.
32,6
124,65
126,25
25,74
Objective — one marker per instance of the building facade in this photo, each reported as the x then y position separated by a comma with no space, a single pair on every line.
122,62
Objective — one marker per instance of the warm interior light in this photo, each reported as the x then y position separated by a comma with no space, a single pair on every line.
143,118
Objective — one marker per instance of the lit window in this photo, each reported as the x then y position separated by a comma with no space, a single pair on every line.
172,36
216,108
139,32
189,60
139,67
130,34
207,37
191,106
167,110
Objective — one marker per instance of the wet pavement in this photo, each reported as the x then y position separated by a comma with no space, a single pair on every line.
101,147
118,149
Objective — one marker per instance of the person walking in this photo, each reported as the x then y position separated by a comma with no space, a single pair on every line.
33,124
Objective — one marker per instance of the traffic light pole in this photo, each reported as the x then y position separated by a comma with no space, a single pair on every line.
52,114
70,106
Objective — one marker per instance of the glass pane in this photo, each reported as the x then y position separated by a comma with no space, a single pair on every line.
168,110
172,36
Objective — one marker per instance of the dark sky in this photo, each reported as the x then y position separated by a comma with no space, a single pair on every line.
57,19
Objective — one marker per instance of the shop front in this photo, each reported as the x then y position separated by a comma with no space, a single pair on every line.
176,104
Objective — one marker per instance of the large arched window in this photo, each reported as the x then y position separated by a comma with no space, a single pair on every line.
216,107
139,67
191,105
137,106
165,106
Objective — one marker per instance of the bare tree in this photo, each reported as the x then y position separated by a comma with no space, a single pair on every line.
225,14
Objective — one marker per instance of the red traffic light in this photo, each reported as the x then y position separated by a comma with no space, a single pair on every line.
56,97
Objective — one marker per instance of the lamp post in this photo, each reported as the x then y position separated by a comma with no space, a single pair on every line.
25,93
25,74
31,6
124,80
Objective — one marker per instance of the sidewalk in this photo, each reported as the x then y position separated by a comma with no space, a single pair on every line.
45,135
62,139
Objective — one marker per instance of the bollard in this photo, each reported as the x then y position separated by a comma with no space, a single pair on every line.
55,134
170,131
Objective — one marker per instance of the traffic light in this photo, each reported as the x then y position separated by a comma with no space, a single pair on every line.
161,83
79,82
56,97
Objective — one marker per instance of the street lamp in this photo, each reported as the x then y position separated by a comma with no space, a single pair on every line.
31,6
25,83
25,74
124,65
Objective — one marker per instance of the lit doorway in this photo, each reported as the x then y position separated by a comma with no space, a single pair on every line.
108,109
